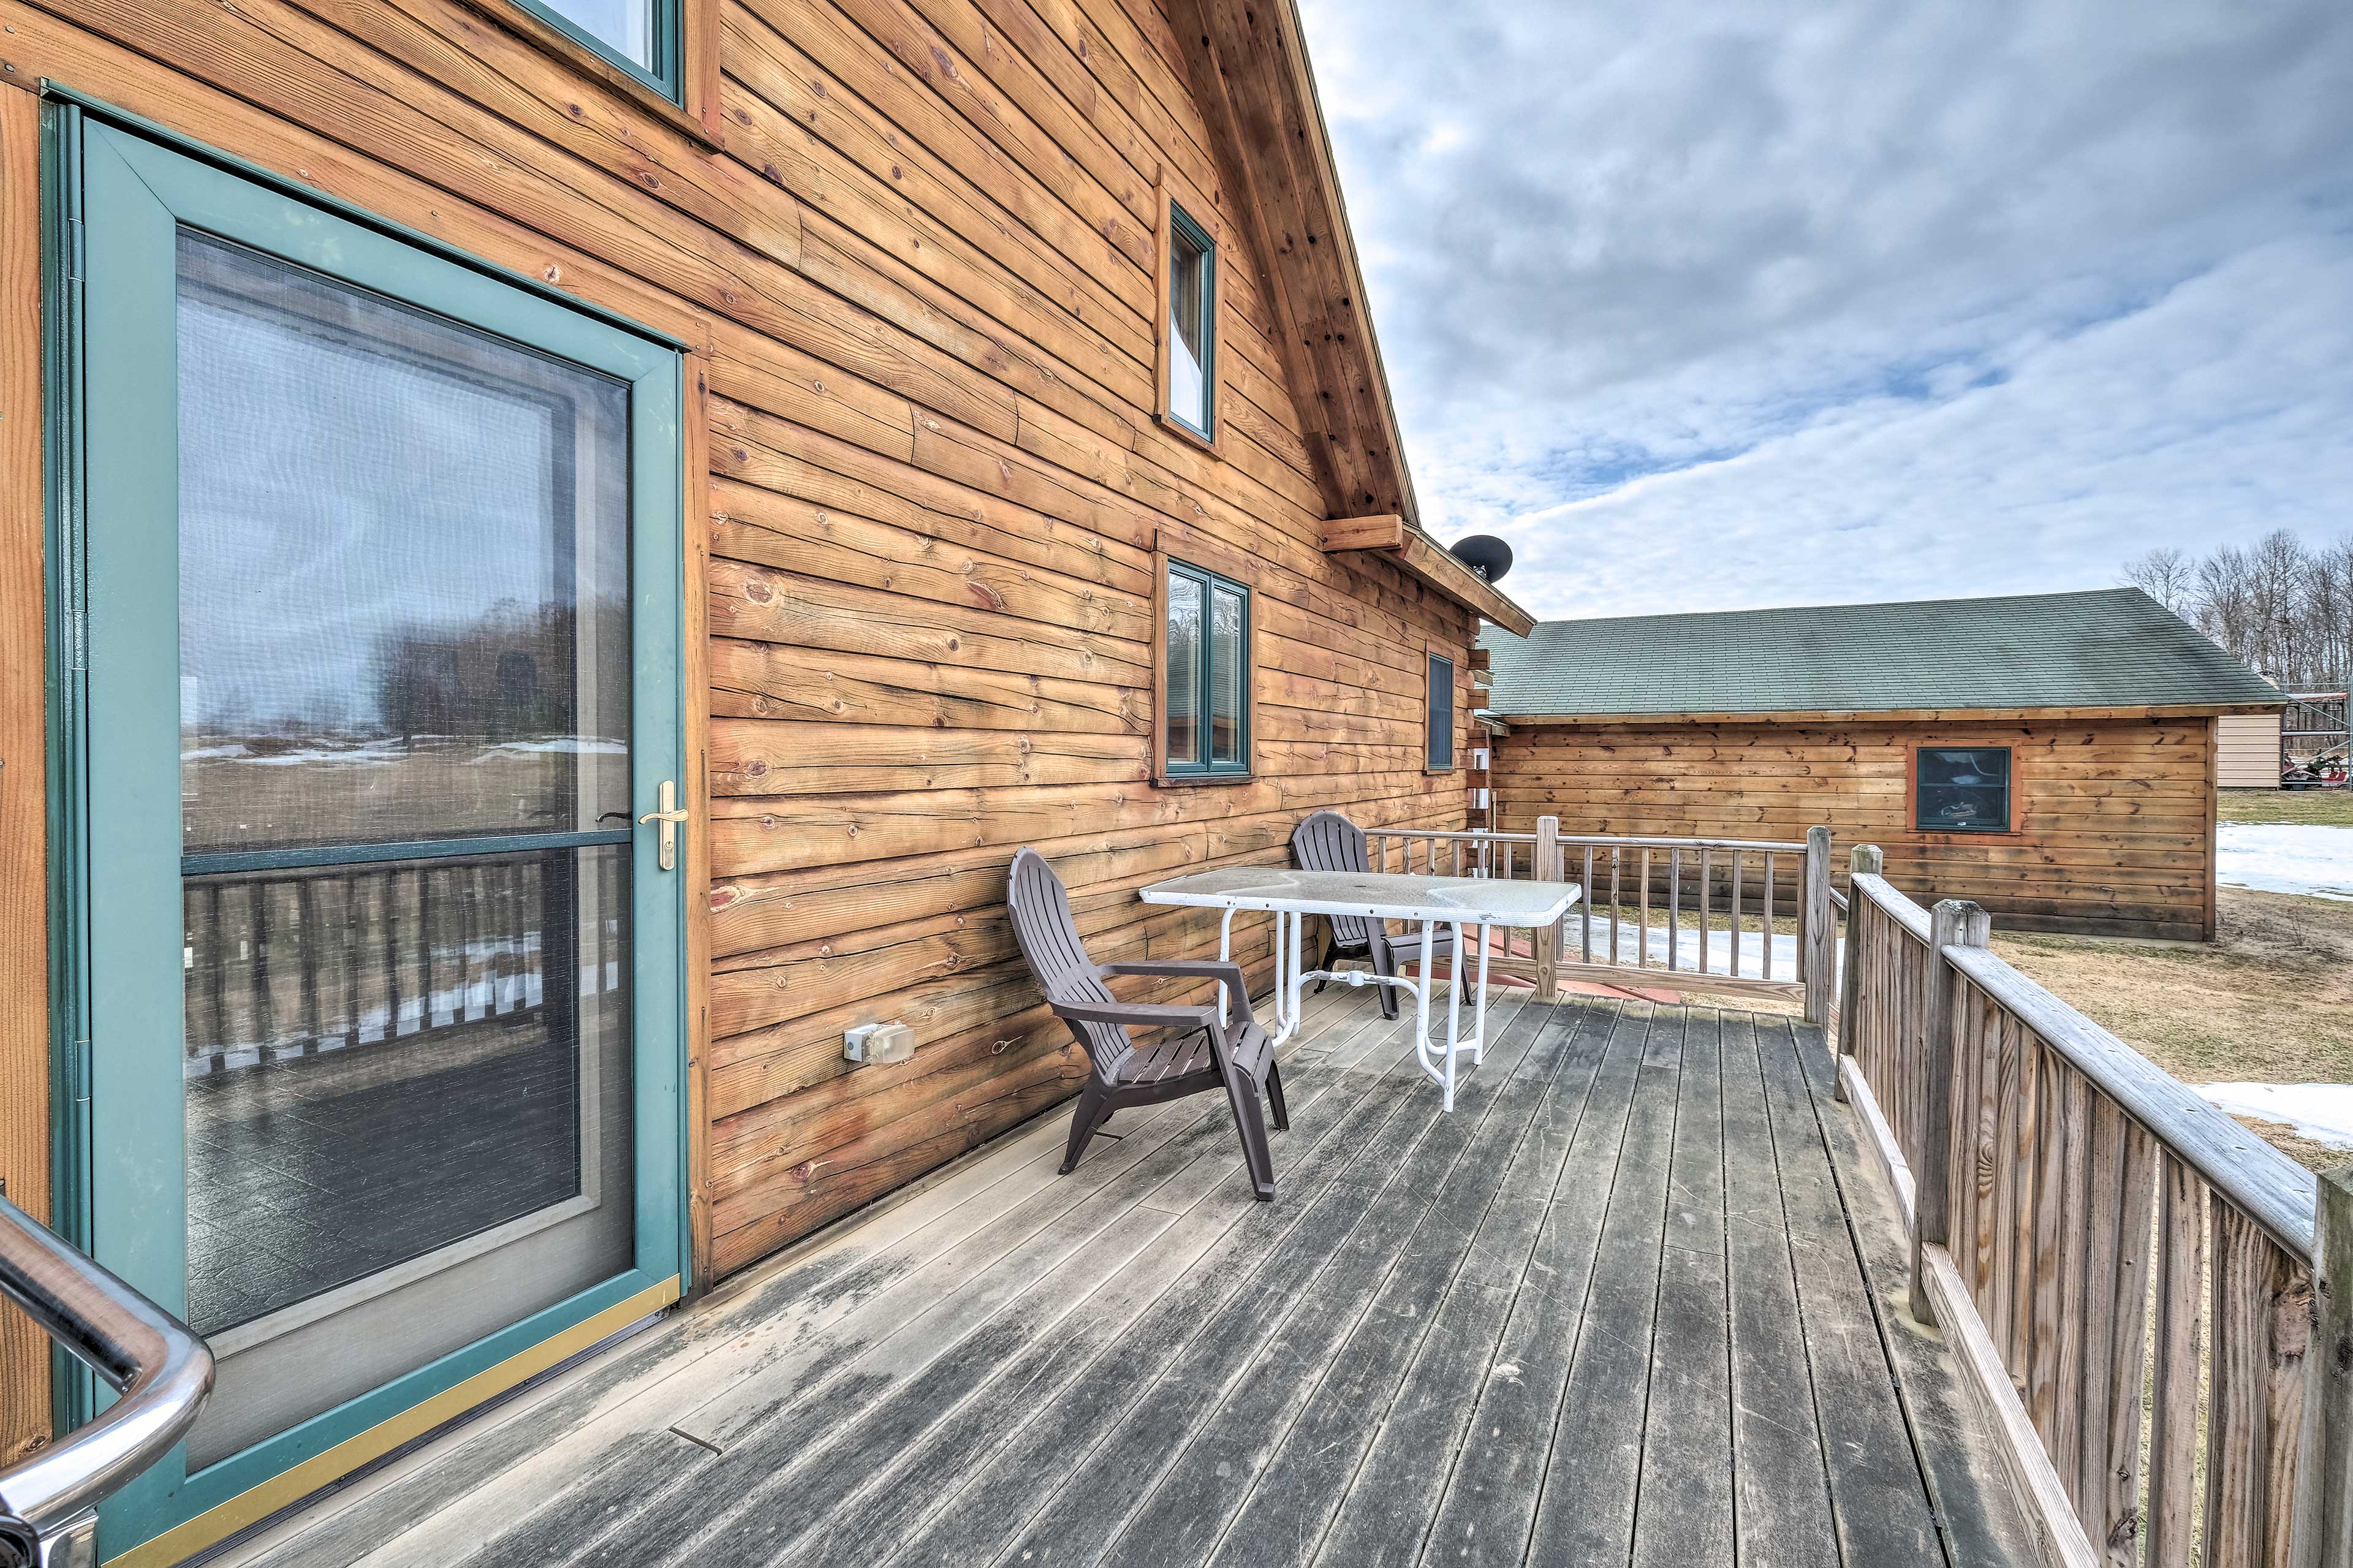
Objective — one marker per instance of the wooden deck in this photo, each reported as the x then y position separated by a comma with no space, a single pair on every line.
1637,1301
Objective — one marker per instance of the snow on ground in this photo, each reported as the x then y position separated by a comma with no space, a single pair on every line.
2320,1111
1719,948
2282,858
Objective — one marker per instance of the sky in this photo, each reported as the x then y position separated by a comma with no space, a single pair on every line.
1703,304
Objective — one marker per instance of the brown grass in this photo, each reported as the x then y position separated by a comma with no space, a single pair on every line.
2269,1001
2312,807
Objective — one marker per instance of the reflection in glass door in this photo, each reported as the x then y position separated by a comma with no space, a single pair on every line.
404,785
407,542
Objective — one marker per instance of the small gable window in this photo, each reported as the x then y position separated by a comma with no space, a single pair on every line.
1206,698
1438,739
1189,331
641,37
1960,789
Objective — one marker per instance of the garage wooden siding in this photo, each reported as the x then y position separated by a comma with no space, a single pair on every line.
920,275
2247,751
2116,816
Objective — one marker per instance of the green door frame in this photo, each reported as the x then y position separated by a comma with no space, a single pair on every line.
122,990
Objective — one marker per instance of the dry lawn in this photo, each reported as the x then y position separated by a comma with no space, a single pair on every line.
2271,1002
2312,807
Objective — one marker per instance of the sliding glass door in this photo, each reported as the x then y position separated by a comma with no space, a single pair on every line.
382,576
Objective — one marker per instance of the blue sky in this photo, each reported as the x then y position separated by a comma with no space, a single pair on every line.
1712,305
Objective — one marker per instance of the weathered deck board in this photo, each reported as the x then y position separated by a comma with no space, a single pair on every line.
1687,1451
1781,1485
1611,1310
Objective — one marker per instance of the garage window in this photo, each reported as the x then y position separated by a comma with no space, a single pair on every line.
1961,789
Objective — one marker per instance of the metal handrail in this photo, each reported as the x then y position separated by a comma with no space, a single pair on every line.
48,1502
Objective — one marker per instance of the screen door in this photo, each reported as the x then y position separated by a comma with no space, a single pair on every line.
383,607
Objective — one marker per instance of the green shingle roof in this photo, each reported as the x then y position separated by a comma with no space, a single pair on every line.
2113,649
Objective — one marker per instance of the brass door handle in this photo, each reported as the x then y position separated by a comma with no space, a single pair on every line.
668,813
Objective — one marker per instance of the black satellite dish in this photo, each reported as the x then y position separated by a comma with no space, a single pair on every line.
1485,554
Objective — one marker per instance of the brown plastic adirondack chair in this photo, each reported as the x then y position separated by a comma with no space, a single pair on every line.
1192,1052
1327,841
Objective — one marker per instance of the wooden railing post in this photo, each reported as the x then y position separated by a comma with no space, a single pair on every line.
1548,868
1817,943
1863,860
1953,922
2325,1488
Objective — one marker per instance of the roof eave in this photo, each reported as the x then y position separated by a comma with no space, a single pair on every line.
1248,60
1898,715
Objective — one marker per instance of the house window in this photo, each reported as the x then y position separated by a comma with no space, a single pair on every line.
1207,699
1192,325
1961,789
641,37
1438,739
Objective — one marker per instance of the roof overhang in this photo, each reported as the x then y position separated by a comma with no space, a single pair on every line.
1247,61
1390,538
1895,715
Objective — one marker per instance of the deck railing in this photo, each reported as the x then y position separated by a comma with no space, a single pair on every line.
2154,1305
48,1500
1714,896
303,961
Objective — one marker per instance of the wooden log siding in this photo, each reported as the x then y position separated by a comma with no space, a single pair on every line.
915,257
2117,816
2118,1254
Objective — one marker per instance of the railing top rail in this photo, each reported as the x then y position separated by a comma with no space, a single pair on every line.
1484,836
1475,835
1884,895
161,1368
1777,847
2256,1179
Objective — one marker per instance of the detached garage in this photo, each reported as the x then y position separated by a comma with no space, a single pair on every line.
2051,756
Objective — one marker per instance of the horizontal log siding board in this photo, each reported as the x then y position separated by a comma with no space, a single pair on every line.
2114,811
921,270
23,732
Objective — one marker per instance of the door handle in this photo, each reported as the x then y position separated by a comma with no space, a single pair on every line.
668,814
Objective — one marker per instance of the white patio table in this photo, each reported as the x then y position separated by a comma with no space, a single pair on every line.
1479,902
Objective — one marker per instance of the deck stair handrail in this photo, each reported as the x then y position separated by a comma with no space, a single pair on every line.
1704,887
2097,1239
49,1500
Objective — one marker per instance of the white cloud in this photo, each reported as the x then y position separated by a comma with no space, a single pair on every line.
1706,304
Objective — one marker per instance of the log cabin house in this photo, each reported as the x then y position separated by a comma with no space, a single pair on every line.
554,550
2050,756
612,520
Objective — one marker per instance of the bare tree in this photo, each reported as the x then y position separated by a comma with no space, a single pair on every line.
2284,607
2166,575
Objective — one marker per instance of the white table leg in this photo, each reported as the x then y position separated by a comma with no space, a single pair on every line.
1421,1041
1297,990
1454,1010
1479,1034
1226,955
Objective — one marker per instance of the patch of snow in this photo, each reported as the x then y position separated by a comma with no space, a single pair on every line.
2320,1111
2286,857
1719,948
585,745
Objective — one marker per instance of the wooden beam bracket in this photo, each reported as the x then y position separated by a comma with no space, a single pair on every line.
1416,554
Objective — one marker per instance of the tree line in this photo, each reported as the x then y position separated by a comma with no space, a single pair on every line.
2282,605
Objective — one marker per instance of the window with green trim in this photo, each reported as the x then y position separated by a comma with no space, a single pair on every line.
1192,324
641,37
1208,672
1438,739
